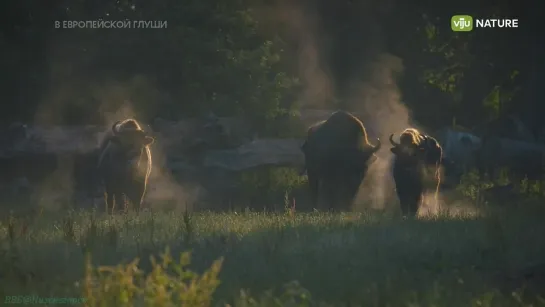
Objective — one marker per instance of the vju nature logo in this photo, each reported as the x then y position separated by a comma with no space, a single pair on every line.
461,23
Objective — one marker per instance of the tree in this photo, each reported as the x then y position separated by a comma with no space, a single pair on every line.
210,58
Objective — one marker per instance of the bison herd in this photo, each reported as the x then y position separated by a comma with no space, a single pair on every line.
338,155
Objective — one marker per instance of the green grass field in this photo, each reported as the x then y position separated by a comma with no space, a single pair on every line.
292,259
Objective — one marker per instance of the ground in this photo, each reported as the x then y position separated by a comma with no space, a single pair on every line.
342,259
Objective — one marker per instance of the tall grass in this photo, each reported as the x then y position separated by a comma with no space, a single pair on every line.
285,259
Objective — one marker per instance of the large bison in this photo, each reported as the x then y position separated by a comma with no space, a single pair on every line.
337,155
416,168
125,163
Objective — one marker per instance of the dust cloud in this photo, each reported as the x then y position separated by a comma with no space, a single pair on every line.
163,191
372,93
70,87
378,98
301,27
376,95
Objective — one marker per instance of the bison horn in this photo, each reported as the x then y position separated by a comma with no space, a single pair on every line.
114,126
392,140
377,147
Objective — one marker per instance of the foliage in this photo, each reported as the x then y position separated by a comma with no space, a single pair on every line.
124,285
471,185
250,58
224,58
262,183
336,259
450,61
476,188
471,77
210,57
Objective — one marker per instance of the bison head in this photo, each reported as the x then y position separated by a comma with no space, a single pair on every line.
409,144
132,141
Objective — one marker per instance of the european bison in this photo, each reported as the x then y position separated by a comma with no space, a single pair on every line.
416,168
337,155
125,163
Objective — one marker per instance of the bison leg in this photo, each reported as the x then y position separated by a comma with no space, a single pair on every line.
135,194
130,202
109,199
409,201
410,207
343,197
126,201
350,190
328,194
114,196
409,191
332,192
119,200
314,184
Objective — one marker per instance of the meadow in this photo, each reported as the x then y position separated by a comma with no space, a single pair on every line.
278,259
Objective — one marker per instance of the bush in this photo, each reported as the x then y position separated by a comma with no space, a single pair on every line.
269,183
168,284
172,284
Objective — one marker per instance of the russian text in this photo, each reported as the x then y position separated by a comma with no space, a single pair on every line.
111,24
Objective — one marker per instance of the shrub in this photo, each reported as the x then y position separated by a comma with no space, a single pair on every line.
168,284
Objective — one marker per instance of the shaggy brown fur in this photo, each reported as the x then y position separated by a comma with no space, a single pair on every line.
125,163
416,168
337,155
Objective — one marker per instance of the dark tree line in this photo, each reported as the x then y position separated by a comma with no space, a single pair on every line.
259,58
